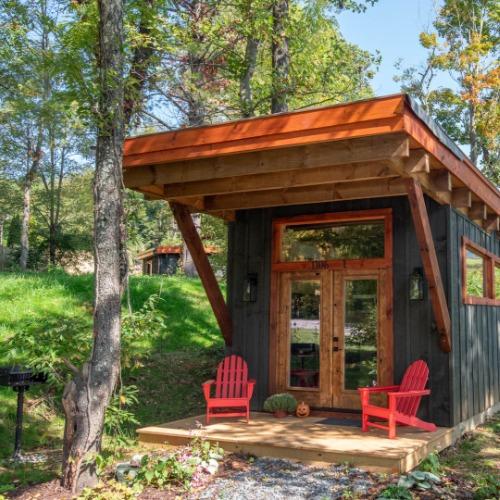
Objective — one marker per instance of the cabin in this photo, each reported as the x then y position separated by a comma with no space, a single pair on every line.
160,260
361,238
164,259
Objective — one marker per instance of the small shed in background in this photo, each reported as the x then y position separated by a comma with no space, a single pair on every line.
164,259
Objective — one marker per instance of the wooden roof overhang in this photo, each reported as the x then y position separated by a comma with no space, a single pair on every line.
363,149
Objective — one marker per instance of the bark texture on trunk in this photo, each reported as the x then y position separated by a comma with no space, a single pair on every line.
473,138
188,263
34,159
280,58
196,110
25,244
87,395
139,69
246,97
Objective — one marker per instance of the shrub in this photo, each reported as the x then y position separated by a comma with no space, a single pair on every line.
490,488
395,493
119,419
283,401
161,472
111,490
431,464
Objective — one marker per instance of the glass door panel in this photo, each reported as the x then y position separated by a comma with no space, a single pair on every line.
360,333
305,333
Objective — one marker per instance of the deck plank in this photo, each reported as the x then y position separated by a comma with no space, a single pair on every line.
307,440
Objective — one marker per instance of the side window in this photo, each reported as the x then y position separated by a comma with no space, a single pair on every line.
474,274
481,274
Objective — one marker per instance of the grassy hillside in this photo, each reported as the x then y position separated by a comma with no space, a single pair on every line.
175,346
43,302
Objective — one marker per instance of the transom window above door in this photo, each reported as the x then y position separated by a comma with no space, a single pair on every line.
343,239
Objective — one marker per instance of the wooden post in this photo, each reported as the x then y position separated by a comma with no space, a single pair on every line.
429,260
205,271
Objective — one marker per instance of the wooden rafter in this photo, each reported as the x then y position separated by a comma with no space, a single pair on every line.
430,262
308,194
417,165
279,180
207,276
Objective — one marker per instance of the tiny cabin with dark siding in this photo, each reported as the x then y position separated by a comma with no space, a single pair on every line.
360,239
160,260
475,356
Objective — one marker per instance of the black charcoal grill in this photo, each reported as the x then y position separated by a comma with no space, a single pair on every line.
20,379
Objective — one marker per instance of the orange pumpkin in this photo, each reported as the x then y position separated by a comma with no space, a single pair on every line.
303,410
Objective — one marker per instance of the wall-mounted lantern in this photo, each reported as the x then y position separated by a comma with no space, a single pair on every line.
250,288
417,284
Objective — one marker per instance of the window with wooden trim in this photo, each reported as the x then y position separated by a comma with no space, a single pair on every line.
480,274
344,239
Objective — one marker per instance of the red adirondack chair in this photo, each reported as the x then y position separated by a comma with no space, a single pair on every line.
403,400
233,389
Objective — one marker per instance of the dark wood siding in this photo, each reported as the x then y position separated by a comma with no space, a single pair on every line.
414,331
475,369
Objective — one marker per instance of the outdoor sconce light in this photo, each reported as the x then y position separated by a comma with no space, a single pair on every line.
250,288
417,284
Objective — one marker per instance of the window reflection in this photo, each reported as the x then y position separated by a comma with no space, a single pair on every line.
475,274
360,333
305,333
333,241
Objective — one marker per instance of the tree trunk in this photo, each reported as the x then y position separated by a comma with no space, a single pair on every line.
196,113
280,58
473,138
139,69
25,245
246,97
87,396
28,182
188,264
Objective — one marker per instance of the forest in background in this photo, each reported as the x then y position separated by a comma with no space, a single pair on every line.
194,62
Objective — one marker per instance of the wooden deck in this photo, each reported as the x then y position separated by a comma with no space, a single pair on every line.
307,440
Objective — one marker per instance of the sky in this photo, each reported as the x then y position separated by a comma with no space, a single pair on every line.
392,27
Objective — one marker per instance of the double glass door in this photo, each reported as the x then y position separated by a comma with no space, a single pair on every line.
333,335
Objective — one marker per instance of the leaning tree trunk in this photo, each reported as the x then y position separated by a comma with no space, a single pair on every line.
28,182
25,242
86,397
188,264
280,58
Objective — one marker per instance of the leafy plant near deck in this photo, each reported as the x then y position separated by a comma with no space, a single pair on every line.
489,488
164,471
419,479
431,464
111,490
395,492
280,402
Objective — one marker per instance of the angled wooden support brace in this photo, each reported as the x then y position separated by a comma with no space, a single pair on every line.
205,271
430,262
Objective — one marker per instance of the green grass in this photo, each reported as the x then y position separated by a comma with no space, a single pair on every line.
37,302
55,308
475,459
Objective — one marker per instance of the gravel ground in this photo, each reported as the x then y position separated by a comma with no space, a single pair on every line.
278,479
